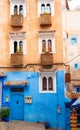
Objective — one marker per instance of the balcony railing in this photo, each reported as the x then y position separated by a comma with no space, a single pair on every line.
17,59
45,19
17,20
47,59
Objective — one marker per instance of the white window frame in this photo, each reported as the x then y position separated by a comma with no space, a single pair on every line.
47,75
18,3
40,45
46,36
12,46
40,2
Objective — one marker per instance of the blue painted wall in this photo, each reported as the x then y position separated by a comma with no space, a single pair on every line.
44,105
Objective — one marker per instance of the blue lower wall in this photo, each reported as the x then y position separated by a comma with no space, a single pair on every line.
44,105
61,99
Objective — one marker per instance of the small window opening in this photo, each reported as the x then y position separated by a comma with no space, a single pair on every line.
15,9
21,10
75,65
42,8
50,83
44,82
49,45
48,8
43,45
20,46
15,47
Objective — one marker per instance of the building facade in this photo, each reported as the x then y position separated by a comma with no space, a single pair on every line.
71,45
71,28
32,69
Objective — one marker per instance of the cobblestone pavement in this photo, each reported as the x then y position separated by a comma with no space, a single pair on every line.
21,125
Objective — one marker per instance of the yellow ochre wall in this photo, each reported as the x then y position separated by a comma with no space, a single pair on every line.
31,26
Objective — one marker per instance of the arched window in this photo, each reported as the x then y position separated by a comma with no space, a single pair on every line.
43,45
15,9
50,83
21,9
21,46
48,8
47,82
42,8
44,83
49,45
15,46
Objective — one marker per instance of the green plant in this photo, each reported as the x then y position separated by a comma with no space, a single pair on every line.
4,112
0,114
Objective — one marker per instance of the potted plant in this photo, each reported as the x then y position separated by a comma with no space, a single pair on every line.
5,113
0,114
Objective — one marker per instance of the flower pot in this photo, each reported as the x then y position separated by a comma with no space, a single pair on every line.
6,119
46,125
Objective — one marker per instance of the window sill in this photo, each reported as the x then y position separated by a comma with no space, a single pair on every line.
47,91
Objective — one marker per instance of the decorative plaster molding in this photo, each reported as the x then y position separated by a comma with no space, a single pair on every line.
17,1
17,36
46,33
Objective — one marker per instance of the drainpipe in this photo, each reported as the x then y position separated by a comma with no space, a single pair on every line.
67,5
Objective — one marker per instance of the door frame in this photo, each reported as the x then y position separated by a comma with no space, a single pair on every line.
17,92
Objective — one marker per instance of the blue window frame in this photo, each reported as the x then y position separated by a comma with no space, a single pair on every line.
77,89
73,39
76,66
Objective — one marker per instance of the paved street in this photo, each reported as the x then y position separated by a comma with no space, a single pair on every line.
20,125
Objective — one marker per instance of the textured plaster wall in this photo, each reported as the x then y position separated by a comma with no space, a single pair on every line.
31,25
71,20
72,57
44,105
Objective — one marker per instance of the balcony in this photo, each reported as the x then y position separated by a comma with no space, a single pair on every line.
47,59
17,59
45,19
16,20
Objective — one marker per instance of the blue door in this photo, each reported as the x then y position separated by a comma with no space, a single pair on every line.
17,107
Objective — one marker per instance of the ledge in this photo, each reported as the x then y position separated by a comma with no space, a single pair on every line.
2,74
14,83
